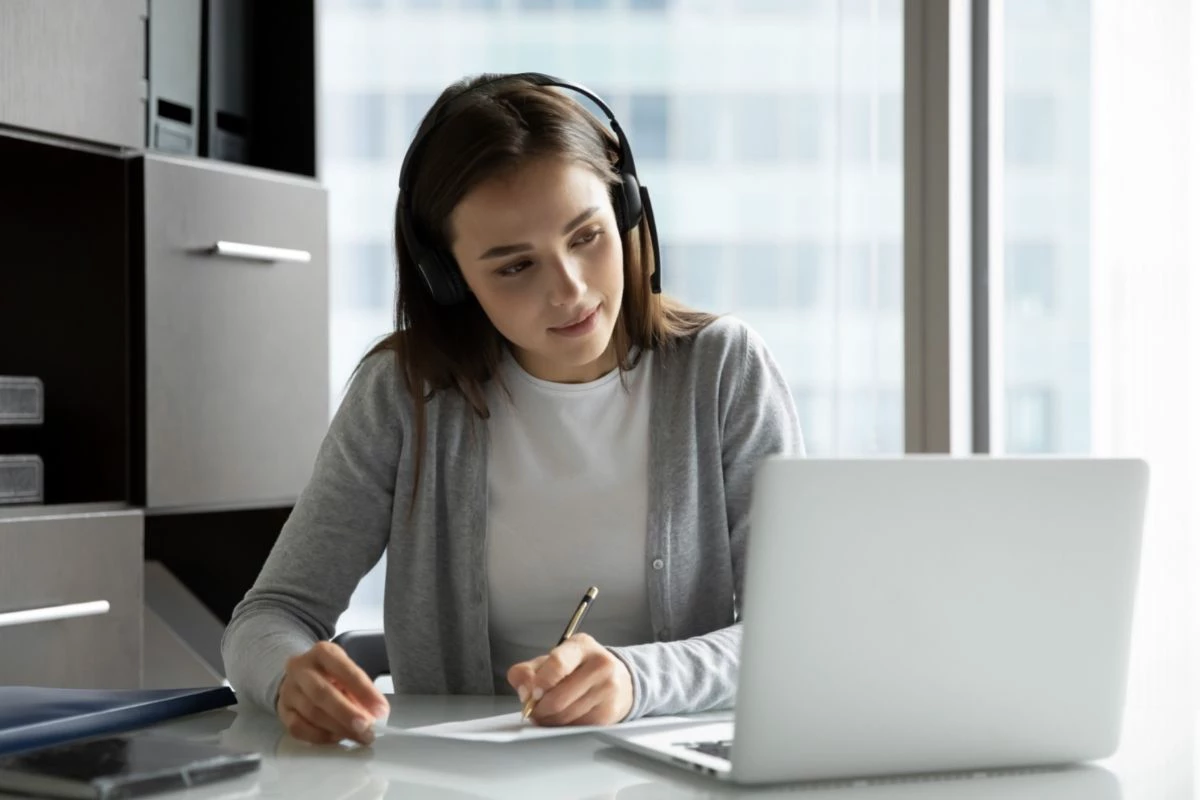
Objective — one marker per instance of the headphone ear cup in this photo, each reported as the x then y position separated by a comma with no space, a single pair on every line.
455,288
627,202
441,276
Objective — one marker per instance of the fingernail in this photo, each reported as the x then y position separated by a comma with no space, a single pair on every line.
523,693
537,694
361,724
368,737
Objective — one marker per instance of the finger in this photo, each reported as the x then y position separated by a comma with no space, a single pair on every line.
298,727
574,714
601,714
322,694
319,717
560,663
571,688
323,719
520,676
333,660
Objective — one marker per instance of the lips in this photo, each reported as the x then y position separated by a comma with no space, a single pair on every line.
583,315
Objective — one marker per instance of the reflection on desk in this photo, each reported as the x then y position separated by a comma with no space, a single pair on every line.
568,767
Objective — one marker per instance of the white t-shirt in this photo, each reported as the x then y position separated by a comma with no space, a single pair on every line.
567,509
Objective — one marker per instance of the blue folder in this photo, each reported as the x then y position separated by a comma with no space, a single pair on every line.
32,716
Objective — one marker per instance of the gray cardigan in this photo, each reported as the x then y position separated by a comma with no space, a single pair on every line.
719,406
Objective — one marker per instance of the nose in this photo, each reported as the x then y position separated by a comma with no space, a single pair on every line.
568,283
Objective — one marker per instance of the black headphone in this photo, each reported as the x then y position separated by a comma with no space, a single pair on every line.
438,268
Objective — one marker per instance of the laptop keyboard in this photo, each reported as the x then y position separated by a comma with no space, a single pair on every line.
722,749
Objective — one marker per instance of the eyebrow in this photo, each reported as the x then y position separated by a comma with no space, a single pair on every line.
508,249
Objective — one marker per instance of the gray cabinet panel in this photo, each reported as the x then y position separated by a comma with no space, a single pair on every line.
237,347
75,68
52,557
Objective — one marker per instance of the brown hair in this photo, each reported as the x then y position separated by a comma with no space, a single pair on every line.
497,126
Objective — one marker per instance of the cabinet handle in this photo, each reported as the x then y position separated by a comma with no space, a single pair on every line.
52,613
258,252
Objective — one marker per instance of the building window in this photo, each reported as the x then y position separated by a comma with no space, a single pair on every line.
759,274
648,125
366,280
891,276
356,125
416,106
1030,420
856,128
1031,277
806,142
692,272
694,127
807,258
1029,130
891,128
868,420
756,124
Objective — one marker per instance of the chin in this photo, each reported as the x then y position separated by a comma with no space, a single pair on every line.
583,351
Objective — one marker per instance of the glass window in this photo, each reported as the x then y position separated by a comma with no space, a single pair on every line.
416,105
807,258
856,128
806,143
1031,275
858,277
356,124
891,127
648,5
757,126
1046,330
814,408
694,127
873,276
693,273
866,415
759,273
1030,419
1029,130
891,276
648,126
368,277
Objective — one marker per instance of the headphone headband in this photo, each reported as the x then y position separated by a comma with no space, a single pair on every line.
439,270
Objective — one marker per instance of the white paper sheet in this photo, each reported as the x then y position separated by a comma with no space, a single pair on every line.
511,728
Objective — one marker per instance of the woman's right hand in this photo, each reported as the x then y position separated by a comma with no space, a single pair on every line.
325,697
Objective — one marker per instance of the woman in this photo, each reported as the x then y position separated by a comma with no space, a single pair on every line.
541,420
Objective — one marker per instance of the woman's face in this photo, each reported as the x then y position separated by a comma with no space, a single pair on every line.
540,250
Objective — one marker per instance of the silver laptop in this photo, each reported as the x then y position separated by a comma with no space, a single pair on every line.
927,614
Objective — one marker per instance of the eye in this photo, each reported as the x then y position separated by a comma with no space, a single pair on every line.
589,237
514,269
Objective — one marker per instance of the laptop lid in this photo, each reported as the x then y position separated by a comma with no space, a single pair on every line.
933,613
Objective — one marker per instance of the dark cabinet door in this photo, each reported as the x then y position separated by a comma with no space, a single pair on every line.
65,312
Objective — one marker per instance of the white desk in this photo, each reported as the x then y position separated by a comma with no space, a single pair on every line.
584,767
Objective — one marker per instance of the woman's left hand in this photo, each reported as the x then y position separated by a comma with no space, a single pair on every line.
578,683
